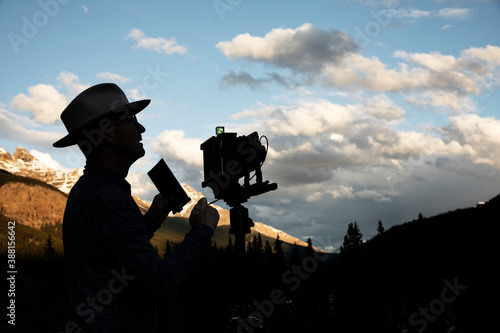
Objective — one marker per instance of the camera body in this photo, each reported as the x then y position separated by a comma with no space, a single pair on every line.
227,158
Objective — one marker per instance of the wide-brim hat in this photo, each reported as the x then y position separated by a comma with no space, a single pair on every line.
102,103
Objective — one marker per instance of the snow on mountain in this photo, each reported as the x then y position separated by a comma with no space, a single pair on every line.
23,163
195,196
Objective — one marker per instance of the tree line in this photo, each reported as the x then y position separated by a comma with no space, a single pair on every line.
383,284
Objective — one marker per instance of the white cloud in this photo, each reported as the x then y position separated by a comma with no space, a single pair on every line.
136,95
455,13
382,107
335,65
85,9
434,61
489,54
409,13
141,184
158,44
445,100
412,13
303,118
311,197
17,128
342,192
306,48
43,101
173,144
40,126
482,135
372,74
111,77
71,82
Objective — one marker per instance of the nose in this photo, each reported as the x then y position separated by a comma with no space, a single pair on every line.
140,128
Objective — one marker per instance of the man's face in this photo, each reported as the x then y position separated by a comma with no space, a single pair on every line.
127,134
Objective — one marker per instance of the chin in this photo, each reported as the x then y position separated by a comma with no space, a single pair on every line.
141,152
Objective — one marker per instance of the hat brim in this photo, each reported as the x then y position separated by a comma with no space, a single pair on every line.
76,136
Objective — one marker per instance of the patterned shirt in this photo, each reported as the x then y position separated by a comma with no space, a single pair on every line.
114,276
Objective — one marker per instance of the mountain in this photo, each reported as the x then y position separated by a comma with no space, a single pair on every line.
22,163
435,274
29,202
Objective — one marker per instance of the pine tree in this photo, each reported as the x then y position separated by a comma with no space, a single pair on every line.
295,259
230,246
259,244
255,249
380,227
250,246
268,251
279,254
310,249
49,251
353,239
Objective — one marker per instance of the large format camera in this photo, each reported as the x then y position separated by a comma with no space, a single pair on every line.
228,162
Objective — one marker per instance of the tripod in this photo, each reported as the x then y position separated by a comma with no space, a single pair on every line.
240,225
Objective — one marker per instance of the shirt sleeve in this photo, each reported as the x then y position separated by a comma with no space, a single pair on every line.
151,226
126,236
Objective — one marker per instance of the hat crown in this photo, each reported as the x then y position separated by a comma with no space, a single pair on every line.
91,104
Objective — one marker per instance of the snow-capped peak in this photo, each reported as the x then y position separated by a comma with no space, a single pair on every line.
23,163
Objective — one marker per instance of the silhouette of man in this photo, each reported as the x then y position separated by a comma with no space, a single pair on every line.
114,276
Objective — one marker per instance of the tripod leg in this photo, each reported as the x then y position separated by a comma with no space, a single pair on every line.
241,272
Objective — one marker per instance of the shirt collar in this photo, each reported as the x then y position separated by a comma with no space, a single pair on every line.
103,172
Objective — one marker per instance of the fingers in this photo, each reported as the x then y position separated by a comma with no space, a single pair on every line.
201,204
159,209
161,202
204,214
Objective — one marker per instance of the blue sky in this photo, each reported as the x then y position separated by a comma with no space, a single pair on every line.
374,110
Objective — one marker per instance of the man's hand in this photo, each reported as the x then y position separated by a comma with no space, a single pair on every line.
204,214
159,210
